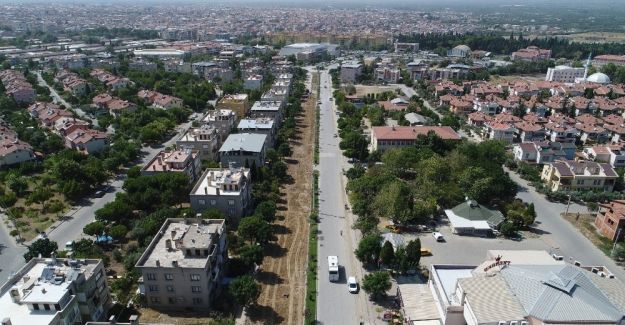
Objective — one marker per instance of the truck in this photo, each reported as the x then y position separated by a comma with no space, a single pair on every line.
333,268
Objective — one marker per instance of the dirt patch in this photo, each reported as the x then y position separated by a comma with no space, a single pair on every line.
585,223
362,90
495,80
283,277
595,37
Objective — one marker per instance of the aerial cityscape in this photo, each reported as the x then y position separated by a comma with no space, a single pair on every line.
324,162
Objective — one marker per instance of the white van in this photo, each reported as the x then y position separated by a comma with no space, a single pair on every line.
438,236
333,268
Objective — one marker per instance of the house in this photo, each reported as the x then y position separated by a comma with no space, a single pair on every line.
87,141
17,87
560,133
117,107
515,287
394,105
243,150
350,72
417,119
183,266
526,152
238,103
262,125
51,291
14,151
223,120
184,161
159,100
386,137
564,175
610,220
500,131
527,132
531,53
204,139
471,218
478,118
228,190
613,155
542,152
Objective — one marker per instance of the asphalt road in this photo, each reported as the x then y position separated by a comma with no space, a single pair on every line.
335,305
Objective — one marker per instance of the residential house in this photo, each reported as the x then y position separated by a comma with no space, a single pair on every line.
87,141
579,175
183,266
228,190
394,105
159,100
478,118
261,125
117,107
72,83
542,152
500,131
527,131
17,87
14,151
611,154
385,137
204,139
54,291
610,220
184,161
560,133
243,150
110,80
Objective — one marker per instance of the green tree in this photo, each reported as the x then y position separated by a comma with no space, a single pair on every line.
413,253
213,213
94,228
251,254
354,145
116,211
245,290
18,184
377,283
266,210
118,231
368,251
387,254
43,246
394,202
254,229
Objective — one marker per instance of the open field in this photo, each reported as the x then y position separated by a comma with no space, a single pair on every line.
595,37
283,270
495,80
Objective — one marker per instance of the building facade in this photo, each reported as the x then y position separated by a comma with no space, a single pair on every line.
184,161
579,175
228,190
243,150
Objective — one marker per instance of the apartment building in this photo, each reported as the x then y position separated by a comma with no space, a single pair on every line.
227,189
610,219
204,139
185,161
261,125
253,82
386,137
515,287
268,109
55,291
223,120
406,47
243,150
601,60
183,266
565,74
531,53
579,175
388,74
350,72
238,103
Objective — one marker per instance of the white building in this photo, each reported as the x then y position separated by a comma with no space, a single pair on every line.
54,292
563,73
253,82
350,72
228,190
204,139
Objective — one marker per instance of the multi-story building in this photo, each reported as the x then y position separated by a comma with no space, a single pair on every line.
183,266
228,190
253,82
610,219
386,137
223,120
601,60
204,139
268,109
579,175
350,72
406,47
243,150
515,287
159,100
262,125
237,103
614,155
531,53
87,141
388,74
565,74
17,87
185,161
54,292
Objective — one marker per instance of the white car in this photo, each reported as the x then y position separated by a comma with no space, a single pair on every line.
438,236
352,284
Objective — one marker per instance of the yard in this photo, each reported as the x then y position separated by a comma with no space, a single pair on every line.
362,90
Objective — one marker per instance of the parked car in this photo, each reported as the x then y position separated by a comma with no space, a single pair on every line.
99,193
438,236
557,257
352,285
426,252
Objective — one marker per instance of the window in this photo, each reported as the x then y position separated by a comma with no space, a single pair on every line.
196,289
213,202
46,306
36,306
155,300
202,202
197,301
197,252
230,202
151,276
169,276
153,288
170,288
57,307
172,300
195,277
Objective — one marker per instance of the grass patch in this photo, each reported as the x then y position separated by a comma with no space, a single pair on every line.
311,271
585,224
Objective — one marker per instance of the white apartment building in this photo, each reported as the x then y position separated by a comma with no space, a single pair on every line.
185,161
350,72
55,292
565,74
223,120
253,82
204,139
183,266
226,189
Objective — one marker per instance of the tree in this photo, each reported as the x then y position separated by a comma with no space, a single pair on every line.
368,250
43,246
508,229
254,229
245,290
376,283
413,253
387,253
116,211
213,213
355,145
284,150
394,202
95,228
266,210
251,254
17,183
40,195
118,231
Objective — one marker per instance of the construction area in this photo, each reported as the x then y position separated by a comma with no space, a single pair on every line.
283,273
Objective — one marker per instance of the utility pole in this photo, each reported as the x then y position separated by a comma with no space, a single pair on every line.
618,234
567,206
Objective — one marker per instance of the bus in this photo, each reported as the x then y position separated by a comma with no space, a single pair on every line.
333,268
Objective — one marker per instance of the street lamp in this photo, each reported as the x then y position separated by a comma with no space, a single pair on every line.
567,206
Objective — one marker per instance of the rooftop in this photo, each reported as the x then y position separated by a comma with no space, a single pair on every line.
259,123
221,181
251,142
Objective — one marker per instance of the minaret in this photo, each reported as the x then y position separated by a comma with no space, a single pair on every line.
587,65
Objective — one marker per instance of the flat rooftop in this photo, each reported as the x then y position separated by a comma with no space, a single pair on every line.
179,235
267,106
259,123
448,276
214,178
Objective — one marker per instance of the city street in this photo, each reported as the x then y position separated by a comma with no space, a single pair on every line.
335,305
